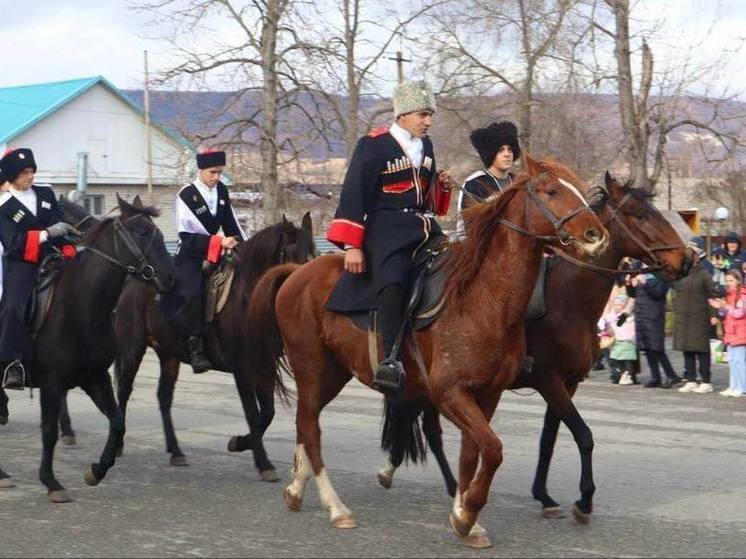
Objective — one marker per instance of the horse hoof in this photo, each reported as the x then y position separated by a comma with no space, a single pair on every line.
89,477
292,502
59,497
345,522
460,528
6,483
580,516
3,419
179,461
477,540
553,513
68,440
385,481
269,475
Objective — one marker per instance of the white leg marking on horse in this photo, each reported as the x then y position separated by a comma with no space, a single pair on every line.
388,469
458,507
302,472
329,499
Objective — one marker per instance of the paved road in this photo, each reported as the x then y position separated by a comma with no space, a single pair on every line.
669,470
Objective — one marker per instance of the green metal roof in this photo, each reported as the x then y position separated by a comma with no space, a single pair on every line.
23,106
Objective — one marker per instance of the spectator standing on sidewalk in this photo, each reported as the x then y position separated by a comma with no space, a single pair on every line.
733,310
733,250
692,318
623,353
650,317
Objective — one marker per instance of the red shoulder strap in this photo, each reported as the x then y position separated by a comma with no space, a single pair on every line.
378,131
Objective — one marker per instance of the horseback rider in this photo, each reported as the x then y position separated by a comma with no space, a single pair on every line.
385,215
498,148
31,228
203,208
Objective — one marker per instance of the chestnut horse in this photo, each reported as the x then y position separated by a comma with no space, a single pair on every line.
325,351
564,343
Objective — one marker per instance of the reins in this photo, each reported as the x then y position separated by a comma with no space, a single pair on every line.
658,264
144,270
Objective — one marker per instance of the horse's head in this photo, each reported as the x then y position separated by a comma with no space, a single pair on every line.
76,215
640,231
556,208
296,244
139,246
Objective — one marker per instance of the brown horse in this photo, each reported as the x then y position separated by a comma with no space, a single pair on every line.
564,343
491,275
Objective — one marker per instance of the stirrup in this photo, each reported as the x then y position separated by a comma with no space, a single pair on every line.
14,383
389,376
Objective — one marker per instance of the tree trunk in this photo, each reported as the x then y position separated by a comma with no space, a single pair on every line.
268,131
352,126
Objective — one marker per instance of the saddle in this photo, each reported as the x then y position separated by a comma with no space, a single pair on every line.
217,288
42,293
426,298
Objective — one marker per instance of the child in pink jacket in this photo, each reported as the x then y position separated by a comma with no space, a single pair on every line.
733,310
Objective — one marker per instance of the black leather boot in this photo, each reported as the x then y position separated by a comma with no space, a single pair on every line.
14,376
197,358
389,375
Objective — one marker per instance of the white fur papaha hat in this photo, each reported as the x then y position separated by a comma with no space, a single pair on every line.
412,96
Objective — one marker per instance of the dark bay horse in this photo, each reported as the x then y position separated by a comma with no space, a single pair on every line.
76,344
139,323
564,342
491,276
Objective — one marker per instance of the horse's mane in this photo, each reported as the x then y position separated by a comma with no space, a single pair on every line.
257,254
465,257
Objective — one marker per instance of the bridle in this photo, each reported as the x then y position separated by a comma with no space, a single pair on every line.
561,236
649,251
143,270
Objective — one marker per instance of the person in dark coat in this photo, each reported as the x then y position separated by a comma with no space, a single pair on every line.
389,197
498,148
650,317
203,210
31,228
692,318
733,251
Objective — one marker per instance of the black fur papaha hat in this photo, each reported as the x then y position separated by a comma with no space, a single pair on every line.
488,140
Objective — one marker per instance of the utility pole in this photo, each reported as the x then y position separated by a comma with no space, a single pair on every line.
148,150
400,65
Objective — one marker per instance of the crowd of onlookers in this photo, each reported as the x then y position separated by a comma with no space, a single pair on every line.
708,312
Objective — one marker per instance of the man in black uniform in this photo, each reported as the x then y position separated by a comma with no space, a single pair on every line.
203,208
31,227
385,215
498,148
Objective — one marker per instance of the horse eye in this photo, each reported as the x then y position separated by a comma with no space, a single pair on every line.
551,192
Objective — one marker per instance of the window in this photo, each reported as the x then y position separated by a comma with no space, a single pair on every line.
94,204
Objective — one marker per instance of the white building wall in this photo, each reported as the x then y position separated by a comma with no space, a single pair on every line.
113,134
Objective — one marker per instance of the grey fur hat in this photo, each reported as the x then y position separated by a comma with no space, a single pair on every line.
412,96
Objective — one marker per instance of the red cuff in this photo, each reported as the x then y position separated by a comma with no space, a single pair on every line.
345,232
32,249
441,200
69,252
214,249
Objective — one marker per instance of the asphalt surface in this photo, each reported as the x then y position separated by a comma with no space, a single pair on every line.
669,469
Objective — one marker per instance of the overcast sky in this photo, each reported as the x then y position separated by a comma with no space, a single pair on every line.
51,40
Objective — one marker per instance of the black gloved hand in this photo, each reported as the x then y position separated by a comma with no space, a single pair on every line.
622,319
60,229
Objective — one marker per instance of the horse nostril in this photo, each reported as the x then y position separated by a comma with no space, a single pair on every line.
592,235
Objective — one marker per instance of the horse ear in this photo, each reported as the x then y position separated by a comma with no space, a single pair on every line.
530,165
137,202
609,181
306,223
125,207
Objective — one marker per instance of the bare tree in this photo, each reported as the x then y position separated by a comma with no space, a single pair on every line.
729,192
648,121
486,47
253,47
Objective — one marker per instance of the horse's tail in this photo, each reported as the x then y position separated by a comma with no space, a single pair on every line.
264,346
401,435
